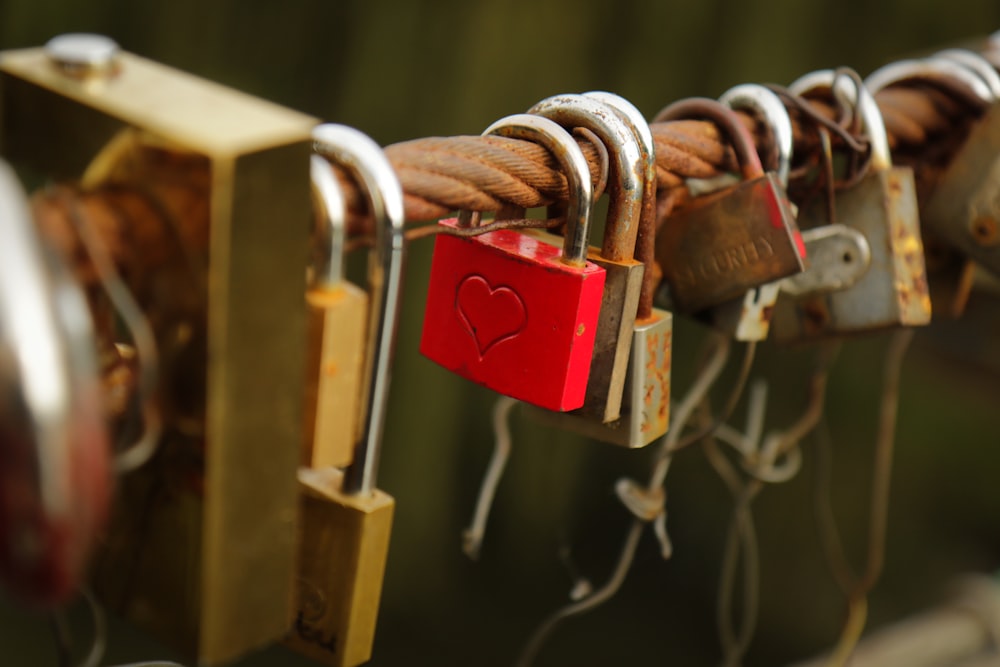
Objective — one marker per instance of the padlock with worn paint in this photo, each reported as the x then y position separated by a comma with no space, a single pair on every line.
959,211
882,206
748,318
645,408
514,313
345,520
962,210
631,166
335,343
722,244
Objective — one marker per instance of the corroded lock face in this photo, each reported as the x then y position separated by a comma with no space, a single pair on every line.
726,243
720,245
882,207
893,291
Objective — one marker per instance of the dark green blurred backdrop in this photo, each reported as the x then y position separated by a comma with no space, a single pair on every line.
401,70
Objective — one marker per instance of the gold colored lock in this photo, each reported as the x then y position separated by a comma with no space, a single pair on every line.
335,343
346,521
201,547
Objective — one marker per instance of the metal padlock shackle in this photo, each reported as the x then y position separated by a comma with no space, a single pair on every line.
566,150
975,62
627,167
724,118
55,428
646,232
768,106
331,205
366,162
942,70
861,99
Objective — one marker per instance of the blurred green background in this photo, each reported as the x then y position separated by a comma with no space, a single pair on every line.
401,70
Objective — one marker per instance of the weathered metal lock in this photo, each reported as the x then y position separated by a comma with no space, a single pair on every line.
513,313
963,209
645,407
749,318
201,546
55,472
346,521
336,334
892,291
631,167
950,225
722,244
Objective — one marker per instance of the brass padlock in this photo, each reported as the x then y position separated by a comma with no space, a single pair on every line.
749,318
892,291
722,244
201,546
345,520
645,409
963,208
623,282
336,333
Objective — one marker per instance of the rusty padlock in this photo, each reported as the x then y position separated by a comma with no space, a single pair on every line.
514,313
55,469
949,225
882,206
645,408
749,318
630,167
722,244
963,208
336,334
346,521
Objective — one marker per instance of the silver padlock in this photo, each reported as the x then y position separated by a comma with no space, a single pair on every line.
882,206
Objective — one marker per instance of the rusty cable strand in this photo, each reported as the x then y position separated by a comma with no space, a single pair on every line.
441,175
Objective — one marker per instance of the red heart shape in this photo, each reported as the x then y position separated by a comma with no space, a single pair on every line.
490,315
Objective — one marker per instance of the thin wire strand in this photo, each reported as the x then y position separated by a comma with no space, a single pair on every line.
721,347
137,454
472,537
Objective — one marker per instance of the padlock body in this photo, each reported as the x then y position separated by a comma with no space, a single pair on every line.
335,351
505,312
893,291
343,547
613,341
964,207
722,244
646,400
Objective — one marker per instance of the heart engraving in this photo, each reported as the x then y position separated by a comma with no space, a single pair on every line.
490,315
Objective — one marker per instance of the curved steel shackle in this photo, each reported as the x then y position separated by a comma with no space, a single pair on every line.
757,98
975,62
574,165
943,70
862,99
333,208
55,466
626,160
366,162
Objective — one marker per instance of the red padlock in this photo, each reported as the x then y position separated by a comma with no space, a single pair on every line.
511,312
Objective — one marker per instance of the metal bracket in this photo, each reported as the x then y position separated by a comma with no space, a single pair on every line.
838,257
